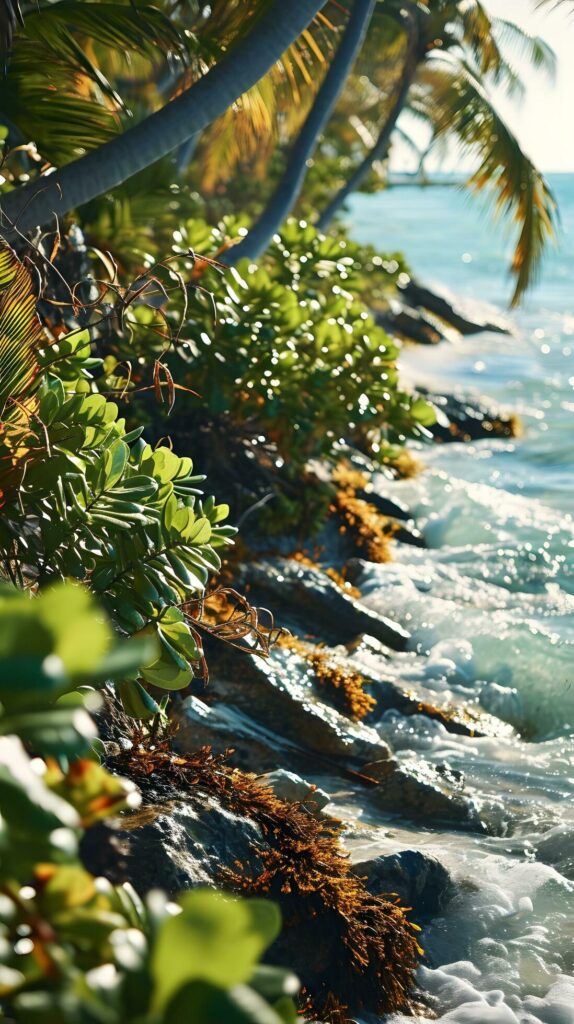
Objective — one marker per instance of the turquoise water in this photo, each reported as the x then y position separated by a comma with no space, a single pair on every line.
450,237
490,604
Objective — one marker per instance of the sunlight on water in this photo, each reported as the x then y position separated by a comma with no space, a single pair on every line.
490,605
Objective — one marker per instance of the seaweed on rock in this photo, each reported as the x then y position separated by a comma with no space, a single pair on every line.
344,687
352,950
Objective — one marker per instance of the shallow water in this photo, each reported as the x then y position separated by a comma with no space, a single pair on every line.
490,605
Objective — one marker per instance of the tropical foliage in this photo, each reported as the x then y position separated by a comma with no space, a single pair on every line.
73,946
142,146
84,498
196,89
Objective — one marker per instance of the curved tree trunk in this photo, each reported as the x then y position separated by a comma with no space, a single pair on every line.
289,187
381,147
157,135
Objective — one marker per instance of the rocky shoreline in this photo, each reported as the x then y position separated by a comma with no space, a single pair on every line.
287,723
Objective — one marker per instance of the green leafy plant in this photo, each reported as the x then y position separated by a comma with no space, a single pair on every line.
85,498
291,353
73,947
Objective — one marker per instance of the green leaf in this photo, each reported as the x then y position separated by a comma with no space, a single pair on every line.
201,1001
198,533
213,939
137,701
82,636
115,462
423,412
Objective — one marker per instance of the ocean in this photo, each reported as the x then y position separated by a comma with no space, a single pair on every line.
490,605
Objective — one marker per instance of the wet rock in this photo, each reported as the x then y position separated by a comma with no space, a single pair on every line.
223,726
411,324
392,507
178,845
288,786
268,713
462,719
468,419
305,598
420,881
205,823
409,535
466,318
278,695
422,792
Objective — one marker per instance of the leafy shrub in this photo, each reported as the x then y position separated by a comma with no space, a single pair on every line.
292,352
84,498
74,948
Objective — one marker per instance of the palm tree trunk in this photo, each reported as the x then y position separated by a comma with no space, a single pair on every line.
157,135
381,147
289,187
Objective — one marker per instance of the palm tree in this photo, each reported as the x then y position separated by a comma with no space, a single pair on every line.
453,47
100,170
413,55
55,91
290,184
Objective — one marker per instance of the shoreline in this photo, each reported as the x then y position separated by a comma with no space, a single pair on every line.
407,819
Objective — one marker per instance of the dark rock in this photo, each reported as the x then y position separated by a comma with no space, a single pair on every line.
461,719
466,319
307,599
386,506
289,725
223,726
278,695
420,881
468,419
409,535
420,791
263,845
175,846
411,324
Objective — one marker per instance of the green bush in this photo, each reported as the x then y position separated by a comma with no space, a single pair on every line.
84,498
291,351
75,949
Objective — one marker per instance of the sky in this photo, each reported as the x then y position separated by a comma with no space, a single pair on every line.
543,119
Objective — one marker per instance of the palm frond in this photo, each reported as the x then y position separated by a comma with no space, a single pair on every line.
533,48
56,92
20,330
554,4
47,101
246,132
457,104
275,107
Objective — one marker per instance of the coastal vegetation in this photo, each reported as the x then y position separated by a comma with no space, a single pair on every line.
175,317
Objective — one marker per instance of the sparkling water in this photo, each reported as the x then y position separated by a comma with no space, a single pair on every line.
490,605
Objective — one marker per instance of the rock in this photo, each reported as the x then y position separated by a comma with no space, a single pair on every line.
267,712
392,507
277,693
468,419
306,598
288,786
175,845
409,535
466,318
411,324
420,881
206,824
463,719
222,727
422,792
